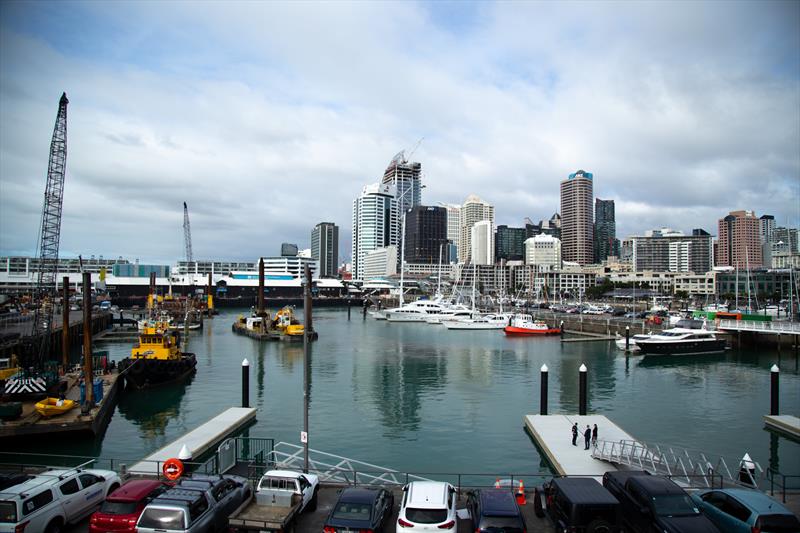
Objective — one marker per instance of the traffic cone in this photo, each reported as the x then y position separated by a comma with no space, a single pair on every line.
521,494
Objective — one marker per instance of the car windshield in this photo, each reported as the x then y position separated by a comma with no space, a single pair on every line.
500,524
352,511
778,523
110,507
167,519
674,505
426,516
8,512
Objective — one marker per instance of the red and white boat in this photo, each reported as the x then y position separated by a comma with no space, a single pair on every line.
522,325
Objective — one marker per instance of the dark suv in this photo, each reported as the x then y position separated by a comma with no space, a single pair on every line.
495,510
581,505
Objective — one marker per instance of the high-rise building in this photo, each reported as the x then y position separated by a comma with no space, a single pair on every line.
474,210
375,222
426,235
544,252
577,218
404,176
453,225
766,225
509,243
785,240
739,240
668,250
325,248
605,230
288,249
482,242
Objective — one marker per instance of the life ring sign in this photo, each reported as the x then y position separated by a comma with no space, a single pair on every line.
172,468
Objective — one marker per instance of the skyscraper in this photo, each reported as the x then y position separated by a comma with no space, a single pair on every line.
404,176
509,243
474,210
482,242
426,234
667,250
739,240
605,230
766,226
375,222
325,248
576,218
453,223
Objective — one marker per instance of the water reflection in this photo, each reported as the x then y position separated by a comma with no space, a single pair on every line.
151,410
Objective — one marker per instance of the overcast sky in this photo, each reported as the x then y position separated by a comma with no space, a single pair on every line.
269,117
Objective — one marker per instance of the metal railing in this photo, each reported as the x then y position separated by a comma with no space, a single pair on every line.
775,478
678,463
789,328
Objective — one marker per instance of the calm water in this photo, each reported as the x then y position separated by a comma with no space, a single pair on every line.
420,398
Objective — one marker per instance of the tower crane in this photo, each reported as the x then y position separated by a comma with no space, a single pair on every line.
187,233
38,345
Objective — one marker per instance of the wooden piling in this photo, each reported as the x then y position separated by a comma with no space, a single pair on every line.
65,322
87,342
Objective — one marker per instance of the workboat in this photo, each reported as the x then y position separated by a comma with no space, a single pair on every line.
156,359
54,406
681,341
287,324
522,325
489,321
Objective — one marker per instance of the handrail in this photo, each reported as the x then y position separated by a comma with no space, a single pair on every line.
790,328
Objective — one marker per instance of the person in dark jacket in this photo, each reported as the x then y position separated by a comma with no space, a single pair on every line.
575,434
587,436
594,436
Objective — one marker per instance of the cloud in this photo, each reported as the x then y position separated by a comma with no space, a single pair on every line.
269,117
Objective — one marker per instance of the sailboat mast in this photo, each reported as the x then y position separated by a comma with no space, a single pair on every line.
439,282
403,259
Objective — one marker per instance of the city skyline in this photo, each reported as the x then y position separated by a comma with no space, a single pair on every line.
226,109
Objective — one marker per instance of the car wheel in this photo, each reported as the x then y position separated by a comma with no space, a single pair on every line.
598,526
54,526
111,489
312,505
538,507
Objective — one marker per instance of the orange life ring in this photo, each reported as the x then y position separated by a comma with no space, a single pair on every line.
172,469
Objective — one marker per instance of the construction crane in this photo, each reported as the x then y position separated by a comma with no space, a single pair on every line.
38,346
187,233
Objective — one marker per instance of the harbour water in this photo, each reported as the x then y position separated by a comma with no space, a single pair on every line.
423,399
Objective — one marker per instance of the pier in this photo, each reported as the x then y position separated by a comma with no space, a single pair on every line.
784,423
199,440
553,436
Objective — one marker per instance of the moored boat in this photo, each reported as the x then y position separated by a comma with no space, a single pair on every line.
682,341
632,340
156,359
524,325
490,321
54,406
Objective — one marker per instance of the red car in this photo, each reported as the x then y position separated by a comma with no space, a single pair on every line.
122,508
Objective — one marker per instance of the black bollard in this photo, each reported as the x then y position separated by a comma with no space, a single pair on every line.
245,383
349,305
627,338
543,392
773,390
582,390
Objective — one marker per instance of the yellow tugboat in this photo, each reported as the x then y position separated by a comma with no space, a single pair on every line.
157,359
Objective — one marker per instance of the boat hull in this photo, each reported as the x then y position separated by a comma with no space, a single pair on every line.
145,373
473,325
49,407
513,331
682,348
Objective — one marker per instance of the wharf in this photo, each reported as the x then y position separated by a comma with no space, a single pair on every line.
199,440
784,423
31,424
553,436
117,335
585,337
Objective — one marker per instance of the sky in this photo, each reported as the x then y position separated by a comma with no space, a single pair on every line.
269,117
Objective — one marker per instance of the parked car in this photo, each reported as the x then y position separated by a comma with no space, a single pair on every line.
280,497
121,510
360,509
197,504
495,510
745,511
657,503
427,506
581,504
49,501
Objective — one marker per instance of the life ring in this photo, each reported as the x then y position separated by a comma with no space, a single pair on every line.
172,468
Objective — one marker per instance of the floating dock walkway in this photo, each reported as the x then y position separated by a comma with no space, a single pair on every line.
553,436
785,423
199,440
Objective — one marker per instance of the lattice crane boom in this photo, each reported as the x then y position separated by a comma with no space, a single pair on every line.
187,233
49,239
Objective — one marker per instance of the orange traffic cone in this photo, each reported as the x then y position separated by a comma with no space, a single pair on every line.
521,494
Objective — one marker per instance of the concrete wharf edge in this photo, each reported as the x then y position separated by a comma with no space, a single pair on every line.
786,423
553,435
199,440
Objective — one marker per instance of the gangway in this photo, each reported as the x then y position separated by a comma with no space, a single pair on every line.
693,468
335,468
777,327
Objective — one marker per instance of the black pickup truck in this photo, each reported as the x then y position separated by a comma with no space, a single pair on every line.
655,504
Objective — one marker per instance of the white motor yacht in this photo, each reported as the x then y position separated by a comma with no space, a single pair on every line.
455,312
414,312
681,341
490,321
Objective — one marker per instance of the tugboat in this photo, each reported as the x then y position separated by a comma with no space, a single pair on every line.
157,359
524,325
